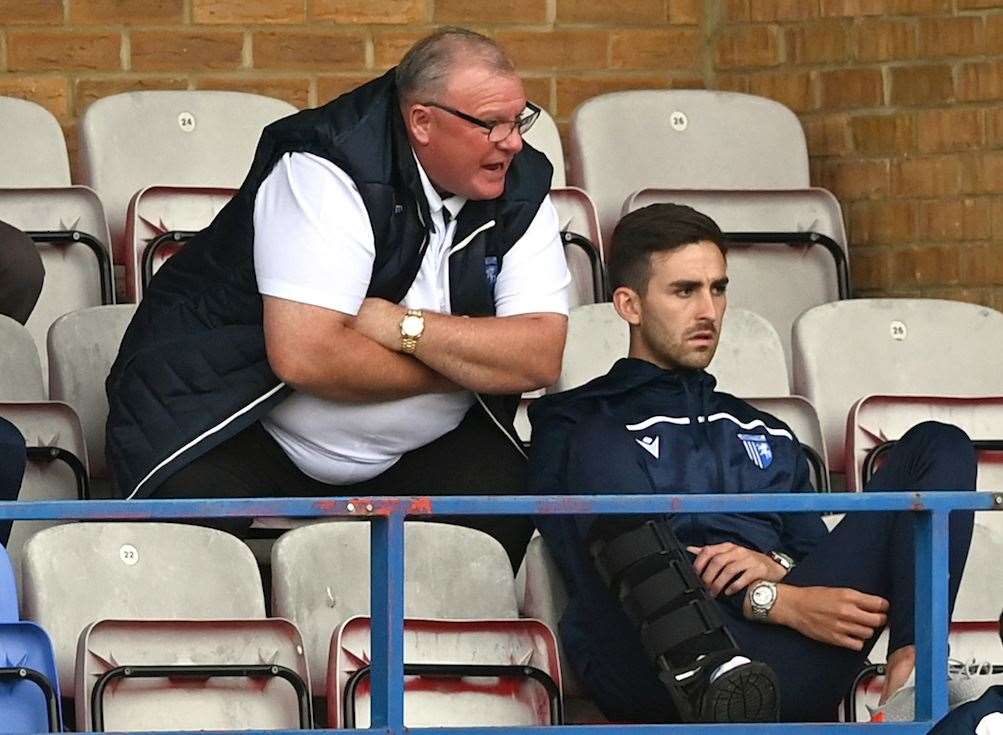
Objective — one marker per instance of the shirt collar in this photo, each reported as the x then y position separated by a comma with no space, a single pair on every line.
435,202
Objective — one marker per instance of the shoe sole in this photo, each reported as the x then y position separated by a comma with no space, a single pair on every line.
748,693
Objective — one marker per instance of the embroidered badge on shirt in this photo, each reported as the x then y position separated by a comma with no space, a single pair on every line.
649,444
758,449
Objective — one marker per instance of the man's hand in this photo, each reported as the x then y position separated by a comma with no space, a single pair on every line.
838,616
731,568
900,664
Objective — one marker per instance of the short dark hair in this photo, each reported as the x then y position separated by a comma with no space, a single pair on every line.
656,228
424,70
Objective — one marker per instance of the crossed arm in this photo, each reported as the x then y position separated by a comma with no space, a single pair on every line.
340,357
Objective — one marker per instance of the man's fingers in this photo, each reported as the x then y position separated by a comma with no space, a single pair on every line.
729,572
744,580
860,632
706,554
871,603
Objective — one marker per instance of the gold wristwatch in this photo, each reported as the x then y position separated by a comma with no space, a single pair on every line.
412,327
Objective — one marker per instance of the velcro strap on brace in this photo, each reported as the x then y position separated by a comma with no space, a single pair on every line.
695,619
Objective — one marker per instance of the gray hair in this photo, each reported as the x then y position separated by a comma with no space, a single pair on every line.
425,68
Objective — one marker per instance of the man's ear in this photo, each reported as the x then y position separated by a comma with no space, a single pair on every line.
418,122
627,303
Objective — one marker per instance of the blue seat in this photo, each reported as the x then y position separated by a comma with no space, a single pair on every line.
29,687
8,590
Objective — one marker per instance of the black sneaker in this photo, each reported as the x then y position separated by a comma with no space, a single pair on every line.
746,693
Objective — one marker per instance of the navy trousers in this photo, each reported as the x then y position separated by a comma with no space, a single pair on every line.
12,461
872,553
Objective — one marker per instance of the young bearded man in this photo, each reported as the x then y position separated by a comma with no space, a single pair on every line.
724,616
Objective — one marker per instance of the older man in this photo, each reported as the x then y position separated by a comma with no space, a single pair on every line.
361,316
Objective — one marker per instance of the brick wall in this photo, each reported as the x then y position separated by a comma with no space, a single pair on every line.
902,100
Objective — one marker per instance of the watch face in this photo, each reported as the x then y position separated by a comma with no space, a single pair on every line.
411,325
762,595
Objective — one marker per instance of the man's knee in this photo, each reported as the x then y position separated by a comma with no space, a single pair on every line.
946,445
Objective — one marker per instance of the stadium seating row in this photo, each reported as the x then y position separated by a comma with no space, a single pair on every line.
138,646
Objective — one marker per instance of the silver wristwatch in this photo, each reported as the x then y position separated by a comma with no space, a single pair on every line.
762,597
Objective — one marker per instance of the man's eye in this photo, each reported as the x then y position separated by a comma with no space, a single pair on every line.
719,290
685,292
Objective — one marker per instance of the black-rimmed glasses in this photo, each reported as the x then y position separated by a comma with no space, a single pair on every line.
497,131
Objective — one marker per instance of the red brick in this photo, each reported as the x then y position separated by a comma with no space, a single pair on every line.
91,89
736,11
851,88
116,12
389,47
871,268
817,43
998,220
994,34
926,177
995,127
782,10
964,36
978,4
981,80
955,219
950,129
558,49
573,90
884,222
369,11
242,11
309,50
857,179
294,90
926,266
63,51
883,134
791,88
183,51
31,12
984,173
51,92
538,90
885,40
982,265
329,87
747,47
685,12
828,135
918,7
921,85
466,12
660,49
851,8
590,11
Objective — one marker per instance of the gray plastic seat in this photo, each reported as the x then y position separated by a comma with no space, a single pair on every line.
134,140
320,579
778,281
76,276
45,425
82,347
20,368
545,137
749,361
576,214
682,139
36,154
76,574
850,349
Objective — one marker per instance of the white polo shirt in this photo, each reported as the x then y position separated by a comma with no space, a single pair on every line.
313,243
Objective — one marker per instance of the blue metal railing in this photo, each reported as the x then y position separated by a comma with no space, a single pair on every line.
387,574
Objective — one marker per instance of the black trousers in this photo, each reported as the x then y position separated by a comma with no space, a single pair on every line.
472,459
12,464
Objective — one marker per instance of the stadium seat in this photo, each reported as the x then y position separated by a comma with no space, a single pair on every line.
320,579
192,675
82,346
76,574
787,249
583,246
29,687
457,673
545,137
34,151
682,139
57,463
159,221
846,350
749,360
135,140
69,227
20,368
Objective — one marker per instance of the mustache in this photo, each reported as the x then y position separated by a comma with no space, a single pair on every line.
700,328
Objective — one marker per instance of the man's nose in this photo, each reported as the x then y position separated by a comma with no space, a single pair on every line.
706,308
511,142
